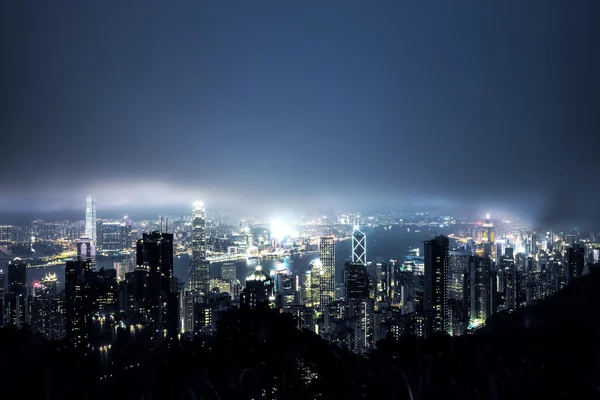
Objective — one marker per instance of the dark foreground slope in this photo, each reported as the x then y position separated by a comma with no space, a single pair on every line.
550,351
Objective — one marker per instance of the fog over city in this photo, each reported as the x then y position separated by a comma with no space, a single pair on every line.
483,107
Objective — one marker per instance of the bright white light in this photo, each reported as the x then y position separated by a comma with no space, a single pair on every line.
280,229
487,216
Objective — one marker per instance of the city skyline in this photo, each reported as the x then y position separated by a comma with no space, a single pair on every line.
300,200
563,222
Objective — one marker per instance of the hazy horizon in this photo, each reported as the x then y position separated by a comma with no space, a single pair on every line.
273,107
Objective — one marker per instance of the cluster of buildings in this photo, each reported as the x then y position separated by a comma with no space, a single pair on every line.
96,305
453,288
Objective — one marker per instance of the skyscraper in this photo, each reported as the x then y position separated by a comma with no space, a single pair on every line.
436,285
575,256
480,284
46,316
327,279
258,291
113,236
489,238
312,285
228,271
199,266
154,256
16,294
86,250
286,289
79,302
90,219
356,282
359,246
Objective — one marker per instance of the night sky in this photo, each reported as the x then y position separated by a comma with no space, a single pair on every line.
302,105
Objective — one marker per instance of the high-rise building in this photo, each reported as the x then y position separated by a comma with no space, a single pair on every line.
510,281
480,284
90,219
16,294
6,235
286,289
122,268
327,278
312,285
79,303
489,238
356,282
458,264
359,246
113,236
156,285
575,261
436,285
90,301
199,266
45,306
258,291
228,271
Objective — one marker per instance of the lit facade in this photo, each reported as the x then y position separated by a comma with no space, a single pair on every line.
46,308
286,288
327,278
199,266
90,219
359,247
228,271
6,235
488,238
482,289
113,237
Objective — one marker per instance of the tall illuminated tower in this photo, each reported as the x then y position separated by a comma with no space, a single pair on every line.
90,219
199,266
489,238
327,279
359,246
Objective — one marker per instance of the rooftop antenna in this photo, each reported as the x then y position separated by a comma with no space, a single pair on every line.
161,223
167,225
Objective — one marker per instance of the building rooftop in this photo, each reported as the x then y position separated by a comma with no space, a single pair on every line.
258,275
